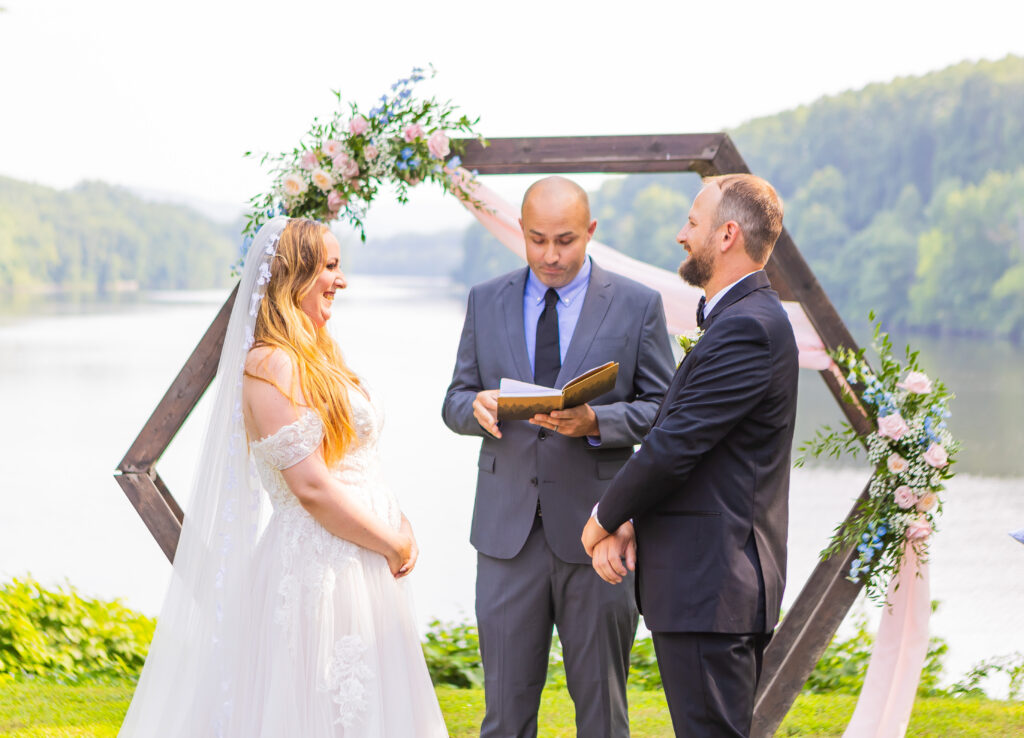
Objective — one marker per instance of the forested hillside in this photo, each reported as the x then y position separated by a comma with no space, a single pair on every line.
95,238
906,198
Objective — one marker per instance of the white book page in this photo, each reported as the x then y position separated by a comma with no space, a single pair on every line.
515,388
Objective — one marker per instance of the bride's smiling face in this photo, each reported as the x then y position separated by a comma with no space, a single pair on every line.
318,301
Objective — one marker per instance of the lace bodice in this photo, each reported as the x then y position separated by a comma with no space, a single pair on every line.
359,470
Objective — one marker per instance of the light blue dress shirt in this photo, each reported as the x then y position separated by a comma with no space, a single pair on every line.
570,305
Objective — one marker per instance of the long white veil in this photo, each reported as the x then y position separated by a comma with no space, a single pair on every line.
195,660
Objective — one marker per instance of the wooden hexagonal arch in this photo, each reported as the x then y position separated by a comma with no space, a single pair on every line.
827,595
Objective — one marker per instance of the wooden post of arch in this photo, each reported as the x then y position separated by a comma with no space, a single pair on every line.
827,595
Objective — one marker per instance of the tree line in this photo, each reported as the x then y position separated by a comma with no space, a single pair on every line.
97,238
906,198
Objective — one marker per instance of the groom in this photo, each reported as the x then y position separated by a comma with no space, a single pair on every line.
708,490
538,480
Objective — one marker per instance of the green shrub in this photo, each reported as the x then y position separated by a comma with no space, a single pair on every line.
60,634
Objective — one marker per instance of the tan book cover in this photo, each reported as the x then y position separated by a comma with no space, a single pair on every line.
521,400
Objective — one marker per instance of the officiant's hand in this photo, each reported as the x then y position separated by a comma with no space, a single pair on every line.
614,556
485,410
575,422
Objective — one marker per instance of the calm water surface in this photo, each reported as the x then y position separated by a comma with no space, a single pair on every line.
77,383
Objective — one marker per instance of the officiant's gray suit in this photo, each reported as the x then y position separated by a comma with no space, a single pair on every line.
535,491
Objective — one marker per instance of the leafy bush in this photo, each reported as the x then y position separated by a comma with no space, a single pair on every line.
843,665
1011,665
452,652
60,634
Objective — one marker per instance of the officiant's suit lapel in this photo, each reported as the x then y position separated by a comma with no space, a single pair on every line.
515,334
598,299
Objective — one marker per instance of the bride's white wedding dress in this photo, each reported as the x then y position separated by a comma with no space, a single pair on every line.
338,652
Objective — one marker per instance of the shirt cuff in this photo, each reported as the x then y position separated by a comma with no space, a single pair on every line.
594,441
593,514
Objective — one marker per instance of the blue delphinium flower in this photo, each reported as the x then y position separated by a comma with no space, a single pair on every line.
454,162
407,153
414,162
402,166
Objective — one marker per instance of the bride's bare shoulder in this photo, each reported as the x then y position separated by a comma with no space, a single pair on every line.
269,363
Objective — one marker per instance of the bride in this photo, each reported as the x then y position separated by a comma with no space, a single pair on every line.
298,625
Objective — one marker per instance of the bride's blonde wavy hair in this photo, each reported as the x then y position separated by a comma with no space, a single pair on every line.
322,374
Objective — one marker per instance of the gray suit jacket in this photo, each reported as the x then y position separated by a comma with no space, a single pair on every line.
621,321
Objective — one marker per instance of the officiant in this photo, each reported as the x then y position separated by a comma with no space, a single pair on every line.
539,479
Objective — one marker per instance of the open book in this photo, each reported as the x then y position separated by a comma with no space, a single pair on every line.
521,400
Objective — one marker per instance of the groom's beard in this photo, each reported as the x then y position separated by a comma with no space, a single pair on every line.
698,268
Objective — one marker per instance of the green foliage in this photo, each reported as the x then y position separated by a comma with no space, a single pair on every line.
906,198
98,238
843,665
46,710
60,634
452,651
1009,665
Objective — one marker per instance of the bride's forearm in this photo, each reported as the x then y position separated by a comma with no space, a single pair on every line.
346,518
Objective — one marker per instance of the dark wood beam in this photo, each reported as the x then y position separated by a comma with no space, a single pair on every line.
151,506
181,397
690,152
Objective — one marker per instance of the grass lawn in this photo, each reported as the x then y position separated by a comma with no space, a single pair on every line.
38,710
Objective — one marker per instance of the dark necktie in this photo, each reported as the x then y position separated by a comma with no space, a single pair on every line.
547,357
700,311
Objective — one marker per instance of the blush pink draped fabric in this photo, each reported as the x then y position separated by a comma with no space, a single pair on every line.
680,299
887,697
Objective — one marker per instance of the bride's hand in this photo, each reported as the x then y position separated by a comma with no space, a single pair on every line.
402,550
414,552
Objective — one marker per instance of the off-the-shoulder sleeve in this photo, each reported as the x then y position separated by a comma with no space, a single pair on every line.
291,443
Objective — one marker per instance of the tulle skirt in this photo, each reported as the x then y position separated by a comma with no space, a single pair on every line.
337,652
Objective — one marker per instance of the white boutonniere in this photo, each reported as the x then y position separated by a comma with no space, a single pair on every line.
689,339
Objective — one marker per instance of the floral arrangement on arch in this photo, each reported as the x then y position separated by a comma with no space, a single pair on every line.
339,165
911,451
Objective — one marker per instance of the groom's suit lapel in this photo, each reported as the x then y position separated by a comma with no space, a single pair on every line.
756,281
515,335
595,306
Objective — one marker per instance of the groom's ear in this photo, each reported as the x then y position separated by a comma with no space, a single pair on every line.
730,236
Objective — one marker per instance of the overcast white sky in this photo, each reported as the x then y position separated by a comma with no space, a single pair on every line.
166,96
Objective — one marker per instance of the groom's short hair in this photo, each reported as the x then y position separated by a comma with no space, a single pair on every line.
754,205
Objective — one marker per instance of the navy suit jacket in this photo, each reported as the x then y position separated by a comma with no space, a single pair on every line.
621,321
709,488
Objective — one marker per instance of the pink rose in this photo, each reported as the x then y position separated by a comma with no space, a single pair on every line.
916,383
358,125
346,166
335,202
892,426
413,132
332,148
308,161
437,145
370,152
919,530
927,502
896,463
936,456
905,497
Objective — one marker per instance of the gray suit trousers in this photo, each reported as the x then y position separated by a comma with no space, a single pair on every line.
518,602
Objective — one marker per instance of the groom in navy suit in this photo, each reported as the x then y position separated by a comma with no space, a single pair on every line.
708,491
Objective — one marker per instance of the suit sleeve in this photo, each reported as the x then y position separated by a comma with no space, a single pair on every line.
457,410
626,423
729,381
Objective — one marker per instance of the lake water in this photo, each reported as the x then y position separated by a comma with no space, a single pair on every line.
78,382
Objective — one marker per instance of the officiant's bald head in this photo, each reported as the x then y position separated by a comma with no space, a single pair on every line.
556,229
559,189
